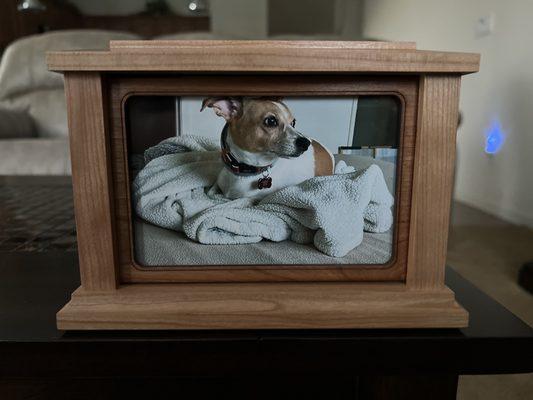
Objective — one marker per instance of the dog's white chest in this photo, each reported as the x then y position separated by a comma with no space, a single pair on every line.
285,172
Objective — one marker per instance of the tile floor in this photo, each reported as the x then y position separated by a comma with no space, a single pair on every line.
489,252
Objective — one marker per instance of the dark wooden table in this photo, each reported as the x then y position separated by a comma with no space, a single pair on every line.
38,271
38,361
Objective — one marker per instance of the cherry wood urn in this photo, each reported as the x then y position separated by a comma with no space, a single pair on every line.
368,103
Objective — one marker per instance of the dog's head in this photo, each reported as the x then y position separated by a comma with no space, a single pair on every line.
260,125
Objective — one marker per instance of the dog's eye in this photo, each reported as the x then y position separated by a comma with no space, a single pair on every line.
271,121
293,123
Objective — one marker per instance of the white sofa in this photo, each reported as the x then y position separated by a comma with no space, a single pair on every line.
33,120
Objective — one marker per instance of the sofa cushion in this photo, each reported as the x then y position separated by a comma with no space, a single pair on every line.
25,80
15,124
47,111
23,67
35,156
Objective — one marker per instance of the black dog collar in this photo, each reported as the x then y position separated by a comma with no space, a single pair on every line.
238,168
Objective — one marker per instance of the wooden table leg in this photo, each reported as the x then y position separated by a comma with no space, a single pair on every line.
525,276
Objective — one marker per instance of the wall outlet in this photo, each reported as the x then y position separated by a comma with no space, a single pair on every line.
485,25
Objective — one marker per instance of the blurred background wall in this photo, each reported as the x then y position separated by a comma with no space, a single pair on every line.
233,17
338,19
501,93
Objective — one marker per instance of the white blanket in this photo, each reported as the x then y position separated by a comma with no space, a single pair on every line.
178,191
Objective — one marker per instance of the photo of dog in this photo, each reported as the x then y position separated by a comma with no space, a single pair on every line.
239,181
261,148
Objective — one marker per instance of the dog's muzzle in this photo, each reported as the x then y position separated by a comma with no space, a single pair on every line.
293,145
302,144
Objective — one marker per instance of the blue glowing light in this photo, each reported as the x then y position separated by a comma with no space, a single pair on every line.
494,138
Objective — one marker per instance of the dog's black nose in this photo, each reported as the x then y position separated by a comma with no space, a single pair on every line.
302,143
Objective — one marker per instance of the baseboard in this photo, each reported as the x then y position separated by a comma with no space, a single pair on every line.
496,210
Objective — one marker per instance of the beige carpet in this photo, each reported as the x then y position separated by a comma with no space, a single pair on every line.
489,253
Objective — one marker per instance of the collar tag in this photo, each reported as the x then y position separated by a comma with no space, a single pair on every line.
264,183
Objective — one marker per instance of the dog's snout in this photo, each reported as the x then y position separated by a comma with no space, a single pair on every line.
302,143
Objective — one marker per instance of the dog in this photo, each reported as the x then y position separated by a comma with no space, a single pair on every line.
261,148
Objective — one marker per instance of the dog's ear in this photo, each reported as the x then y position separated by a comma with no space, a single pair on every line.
228,108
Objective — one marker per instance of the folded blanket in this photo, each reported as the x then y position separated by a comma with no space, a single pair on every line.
177,190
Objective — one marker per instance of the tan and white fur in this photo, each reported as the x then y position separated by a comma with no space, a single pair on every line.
261,132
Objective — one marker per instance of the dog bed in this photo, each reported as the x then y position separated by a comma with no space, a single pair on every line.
156,246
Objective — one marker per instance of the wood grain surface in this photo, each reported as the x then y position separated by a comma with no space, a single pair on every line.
114,292
93,193
124,88
263,56
438,110
144,45
262,306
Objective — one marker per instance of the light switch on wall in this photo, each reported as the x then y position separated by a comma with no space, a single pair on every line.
485,25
